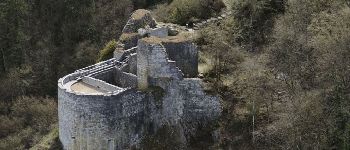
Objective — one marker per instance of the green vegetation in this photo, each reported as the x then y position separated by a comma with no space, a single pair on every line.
40,41
253,20
107,51
49,141
23,124
148,3
187,11
287,83
281,67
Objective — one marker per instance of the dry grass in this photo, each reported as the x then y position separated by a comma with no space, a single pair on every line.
127,36
140,13
48,142
180,38
152,40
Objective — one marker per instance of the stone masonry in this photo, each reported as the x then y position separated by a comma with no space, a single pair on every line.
150,83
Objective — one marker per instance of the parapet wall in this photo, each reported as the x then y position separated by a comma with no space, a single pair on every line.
159,64
153,63
126,80
185,54
92,121
101,84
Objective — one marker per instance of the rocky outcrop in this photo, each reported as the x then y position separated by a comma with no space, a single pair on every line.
139,19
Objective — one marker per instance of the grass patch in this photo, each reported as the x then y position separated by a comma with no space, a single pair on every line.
49,142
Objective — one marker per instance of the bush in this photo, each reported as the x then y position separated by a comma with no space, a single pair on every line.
254,19
9,125
187,11
218,56
167,137
39,113
30,118
107,51
17,82
148,3
311,48
85,55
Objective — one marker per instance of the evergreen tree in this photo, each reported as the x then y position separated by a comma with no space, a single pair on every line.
12,36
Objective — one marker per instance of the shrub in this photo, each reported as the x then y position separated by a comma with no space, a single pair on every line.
17,82
311,47
167,137
107,51
187,11
29,119
39,113
217,55
21,140
254,19
148,3
85,55
9,125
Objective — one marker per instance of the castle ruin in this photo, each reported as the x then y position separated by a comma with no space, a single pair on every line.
150,82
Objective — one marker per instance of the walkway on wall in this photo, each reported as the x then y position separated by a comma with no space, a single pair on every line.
93,71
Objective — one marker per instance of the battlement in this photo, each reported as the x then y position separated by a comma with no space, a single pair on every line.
150,82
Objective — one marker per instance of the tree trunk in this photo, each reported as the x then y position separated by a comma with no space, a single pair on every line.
3,63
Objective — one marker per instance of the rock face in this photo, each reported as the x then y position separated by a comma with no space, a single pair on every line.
149,85
139,19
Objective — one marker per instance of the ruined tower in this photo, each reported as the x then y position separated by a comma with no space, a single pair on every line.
150,83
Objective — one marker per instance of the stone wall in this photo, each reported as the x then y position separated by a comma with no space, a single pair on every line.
153,63
105,75
120,120
100,121
199,105
185,54
159,64
133,64
99,84
161,32
142,66
124,79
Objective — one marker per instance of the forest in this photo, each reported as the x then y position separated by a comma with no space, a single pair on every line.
281,67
